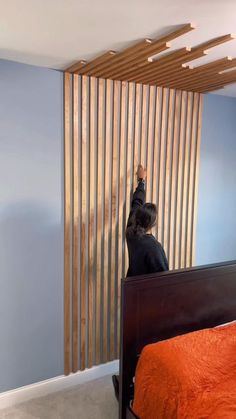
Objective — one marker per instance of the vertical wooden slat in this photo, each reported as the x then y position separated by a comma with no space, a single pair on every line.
186,180
137,131
121,194
150,142
109,250
156,151
124,162
161,188
113,278
196,179
99,219
168,171
193,148
75,221
83,223
91,221
106,212
117,265
103,249
174,180
129,170
67,215
180,179
144,145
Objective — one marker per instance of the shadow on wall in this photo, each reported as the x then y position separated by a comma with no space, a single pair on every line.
31,297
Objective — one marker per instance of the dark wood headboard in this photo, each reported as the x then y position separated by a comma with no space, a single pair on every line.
161,306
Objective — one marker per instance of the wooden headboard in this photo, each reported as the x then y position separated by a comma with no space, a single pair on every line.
161,306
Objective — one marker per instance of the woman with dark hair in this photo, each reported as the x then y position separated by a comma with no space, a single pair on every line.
146,254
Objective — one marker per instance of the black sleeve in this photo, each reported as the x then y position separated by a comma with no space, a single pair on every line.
156,259
138,200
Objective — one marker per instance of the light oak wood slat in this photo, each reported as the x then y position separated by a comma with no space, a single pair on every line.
104,198
121,196
75,221
91,220
114,220
129,170
157,73
168,170
193,147
174,181
94,65
189,77
202,71
150,143
184,29
83,229
202,79
140,61
101,101
214,42
117,125
76,67
144,126
186,179
159,76
67,185
180,179
106,226
196,180
157,46
220,80
146,46
174,72
128,53
160,63
213,88
136,131
156,150
165,100
212,64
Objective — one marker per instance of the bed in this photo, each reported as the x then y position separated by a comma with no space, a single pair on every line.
174,359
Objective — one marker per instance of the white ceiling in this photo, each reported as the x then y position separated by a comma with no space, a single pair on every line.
56,33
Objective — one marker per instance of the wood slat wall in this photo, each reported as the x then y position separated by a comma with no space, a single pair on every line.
110,127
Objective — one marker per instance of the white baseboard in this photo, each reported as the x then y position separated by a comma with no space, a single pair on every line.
43,388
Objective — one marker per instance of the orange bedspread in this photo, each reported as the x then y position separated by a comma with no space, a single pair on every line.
192,376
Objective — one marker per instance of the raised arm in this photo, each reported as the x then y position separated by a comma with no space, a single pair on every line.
139,196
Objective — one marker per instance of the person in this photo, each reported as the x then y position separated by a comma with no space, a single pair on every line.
146,254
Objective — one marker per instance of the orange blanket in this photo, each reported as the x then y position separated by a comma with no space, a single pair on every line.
192,376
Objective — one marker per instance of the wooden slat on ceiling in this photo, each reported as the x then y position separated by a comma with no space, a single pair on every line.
140,63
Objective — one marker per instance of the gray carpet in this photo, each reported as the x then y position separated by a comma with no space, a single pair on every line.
93,400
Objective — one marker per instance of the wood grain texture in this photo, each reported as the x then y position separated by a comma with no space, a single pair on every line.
91,220
83,227
67,222
117,125
101,101
75,294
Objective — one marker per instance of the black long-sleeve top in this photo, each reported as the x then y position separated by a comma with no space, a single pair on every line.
146,254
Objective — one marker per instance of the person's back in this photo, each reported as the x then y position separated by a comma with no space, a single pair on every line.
146,254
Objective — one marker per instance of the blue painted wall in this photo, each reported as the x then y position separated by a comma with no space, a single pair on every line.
31,224
216,228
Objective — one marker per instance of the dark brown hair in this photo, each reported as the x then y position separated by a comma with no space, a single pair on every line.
143,220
